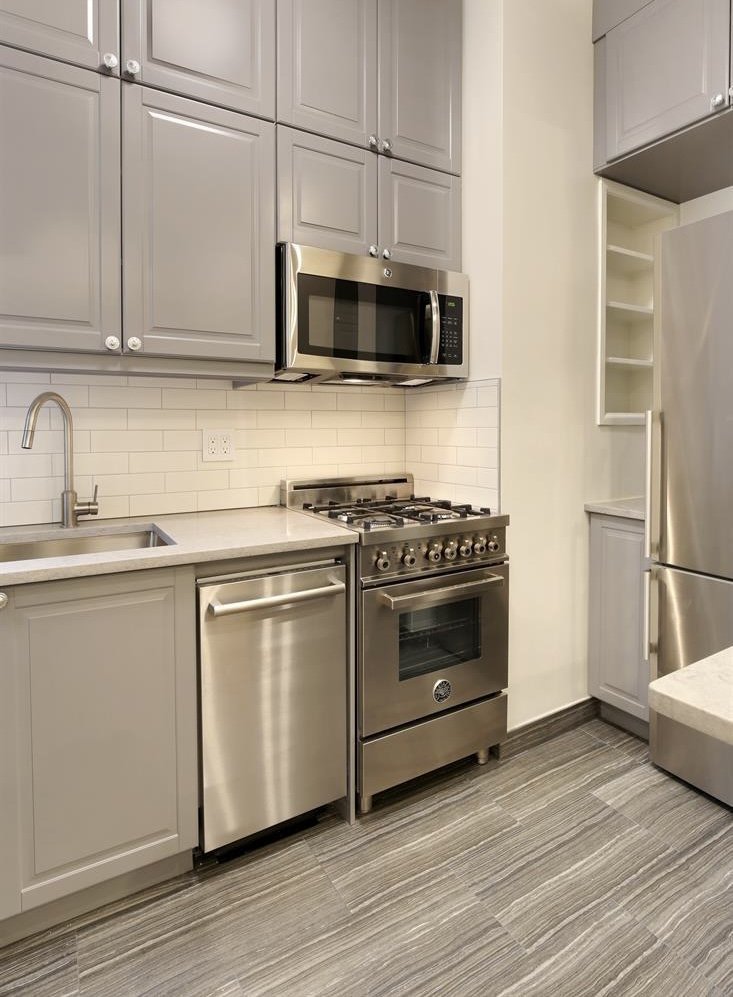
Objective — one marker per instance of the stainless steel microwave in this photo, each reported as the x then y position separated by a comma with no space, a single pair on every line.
358,320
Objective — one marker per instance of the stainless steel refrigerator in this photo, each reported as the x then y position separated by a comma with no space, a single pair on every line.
690,448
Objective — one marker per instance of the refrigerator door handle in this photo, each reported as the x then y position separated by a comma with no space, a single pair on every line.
647,610
653,441
650,636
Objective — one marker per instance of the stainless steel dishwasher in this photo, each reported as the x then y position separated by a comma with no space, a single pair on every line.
273,649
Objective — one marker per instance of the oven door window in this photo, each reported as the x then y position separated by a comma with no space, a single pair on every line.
353,321
436,638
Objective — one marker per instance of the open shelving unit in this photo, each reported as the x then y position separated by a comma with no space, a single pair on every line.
629,224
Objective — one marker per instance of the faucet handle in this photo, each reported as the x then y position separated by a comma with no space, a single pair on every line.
90,508
94,497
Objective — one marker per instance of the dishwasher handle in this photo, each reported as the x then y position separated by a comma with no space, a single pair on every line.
272,601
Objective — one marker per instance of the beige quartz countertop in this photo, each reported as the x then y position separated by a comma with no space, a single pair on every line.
199,537
626,508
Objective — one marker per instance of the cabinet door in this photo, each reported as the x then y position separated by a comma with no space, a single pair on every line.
327,193
106,678
419,215
420,45
10,878
76,31
59,205
665,67
327,67
199,229
219,51
617,673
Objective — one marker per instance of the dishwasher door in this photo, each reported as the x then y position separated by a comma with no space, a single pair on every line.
273,698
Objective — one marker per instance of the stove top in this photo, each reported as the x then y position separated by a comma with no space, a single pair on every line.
390,513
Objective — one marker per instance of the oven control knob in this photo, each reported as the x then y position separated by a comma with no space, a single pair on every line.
450,550
479,546
465,549
493,545
382,562
434,553
408,557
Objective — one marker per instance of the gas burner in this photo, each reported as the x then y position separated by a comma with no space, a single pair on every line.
378,522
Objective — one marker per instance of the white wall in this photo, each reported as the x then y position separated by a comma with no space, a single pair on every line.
554,457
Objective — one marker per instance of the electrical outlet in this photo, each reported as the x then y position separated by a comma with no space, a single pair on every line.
217,444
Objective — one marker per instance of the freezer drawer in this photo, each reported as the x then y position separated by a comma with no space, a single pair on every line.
273,698
695,617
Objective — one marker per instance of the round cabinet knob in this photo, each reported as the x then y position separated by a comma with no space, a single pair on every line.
110,60
132,66
479,546
450,550
374,250
383,562
408,557
387,254
373,142
3,600
434,553
465,549
386,146
717,101
135,344
493,546
112,342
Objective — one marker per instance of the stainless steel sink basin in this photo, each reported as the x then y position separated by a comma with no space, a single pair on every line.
62,546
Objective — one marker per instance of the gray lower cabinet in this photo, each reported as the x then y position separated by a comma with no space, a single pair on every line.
327,192
662,68
81,32
199,229
617,673
98,767
59,205
420,46
222,52
327,67
419,215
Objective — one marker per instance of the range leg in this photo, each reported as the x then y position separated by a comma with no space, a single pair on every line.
365,804
482,756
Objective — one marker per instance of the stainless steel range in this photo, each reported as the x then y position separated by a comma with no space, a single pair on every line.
432,624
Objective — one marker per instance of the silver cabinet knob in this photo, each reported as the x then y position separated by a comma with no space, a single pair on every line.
110,60
132,66
112,343
387,254
385,146
374,250
373,142
3,600
133,343
717,101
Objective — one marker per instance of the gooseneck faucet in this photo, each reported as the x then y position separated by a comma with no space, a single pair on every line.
70,508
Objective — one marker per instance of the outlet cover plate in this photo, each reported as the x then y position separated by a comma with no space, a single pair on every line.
217,445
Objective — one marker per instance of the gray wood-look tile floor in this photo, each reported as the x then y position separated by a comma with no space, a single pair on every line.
572,868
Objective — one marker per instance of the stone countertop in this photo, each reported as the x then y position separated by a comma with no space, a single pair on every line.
699,696
626,508
199,537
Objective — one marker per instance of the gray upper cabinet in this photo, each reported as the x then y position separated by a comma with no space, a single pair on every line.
661,69
327,193
101,775
327,67
59,205
218,51
199,229
81,32
419,215
420,45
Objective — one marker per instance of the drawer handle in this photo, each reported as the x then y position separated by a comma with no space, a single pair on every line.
271,601
431,597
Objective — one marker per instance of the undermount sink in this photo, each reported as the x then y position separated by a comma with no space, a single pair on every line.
62,546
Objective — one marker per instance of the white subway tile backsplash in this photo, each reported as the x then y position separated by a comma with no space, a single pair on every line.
132,441
227,498
342,419
159,505
110,463
193,398
76,395
175,460
196,481
272,419
129,484
91,418
311,437
248,398
180,439
160,418
124,397
309,400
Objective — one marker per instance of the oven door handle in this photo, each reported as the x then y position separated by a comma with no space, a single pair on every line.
433,597
270,601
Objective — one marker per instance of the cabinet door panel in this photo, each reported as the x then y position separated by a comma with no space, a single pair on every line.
617,672
219,51
76,31
327,67
327,193
419,215
420,44
10,874
664,65
59,205
199,232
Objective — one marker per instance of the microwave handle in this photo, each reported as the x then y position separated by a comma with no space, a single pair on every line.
434,328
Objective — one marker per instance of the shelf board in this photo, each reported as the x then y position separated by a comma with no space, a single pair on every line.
630,313
622,419
630,362
628,261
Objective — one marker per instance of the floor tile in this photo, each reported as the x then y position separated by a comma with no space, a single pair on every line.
39,968
630,745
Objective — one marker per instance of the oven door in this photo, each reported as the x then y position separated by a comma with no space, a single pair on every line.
431,644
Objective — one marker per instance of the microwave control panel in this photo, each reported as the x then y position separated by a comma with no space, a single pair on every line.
451,330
